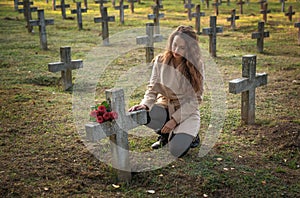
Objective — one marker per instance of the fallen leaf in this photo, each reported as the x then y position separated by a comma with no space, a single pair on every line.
219,159
116,186
205,195
46,188
225,169
160,175
151,191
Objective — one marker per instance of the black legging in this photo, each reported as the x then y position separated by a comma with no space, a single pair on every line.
179,144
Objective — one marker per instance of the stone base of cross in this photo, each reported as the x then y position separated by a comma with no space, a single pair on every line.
117,130
247,85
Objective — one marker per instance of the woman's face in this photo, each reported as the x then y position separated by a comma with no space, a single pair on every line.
178,47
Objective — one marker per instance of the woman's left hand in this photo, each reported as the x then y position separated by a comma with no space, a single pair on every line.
169,126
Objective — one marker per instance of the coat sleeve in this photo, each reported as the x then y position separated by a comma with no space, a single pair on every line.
150,95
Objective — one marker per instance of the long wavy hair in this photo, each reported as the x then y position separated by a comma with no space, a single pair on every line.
192,67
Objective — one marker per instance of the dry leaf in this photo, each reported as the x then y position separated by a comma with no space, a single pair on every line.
225,169
205,195
219,159
116,186
151,191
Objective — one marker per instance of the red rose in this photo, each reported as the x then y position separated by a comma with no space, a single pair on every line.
106,116
113,115
100,119
94,113
101,109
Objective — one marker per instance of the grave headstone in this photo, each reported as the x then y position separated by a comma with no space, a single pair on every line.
260,35
246,85
232,19
117,131
121,7
297,25
27,13
65,66
189,7
212,33
63,7
241,3
79,12
149,41
265,12
104,20
198,14
156,16
42,23
290,13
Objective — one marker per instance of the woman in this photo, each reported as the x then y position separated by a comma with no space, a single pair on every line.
176,84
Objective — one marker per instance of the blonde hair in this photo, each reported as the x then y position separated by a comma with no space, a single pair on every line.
192,67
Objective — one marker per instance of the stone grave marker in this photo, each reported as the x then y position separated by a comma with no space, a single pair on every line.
63,7
212,33
79,12
247,85
265,12
198,14
131,3
42,23
117,131
262,2
207,3
297,25
149,41
260,35
228,2
121,8
113,2
158,3
189,7
27,13
241,3
17,3
216,6
232,19
65,66
290,13
156,16
104,20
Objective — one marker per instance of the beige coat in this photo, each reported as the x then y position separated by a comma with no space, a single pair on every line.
170,88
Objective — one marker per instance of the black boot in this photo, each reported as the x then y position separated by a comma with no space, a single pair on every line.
162,140
195,142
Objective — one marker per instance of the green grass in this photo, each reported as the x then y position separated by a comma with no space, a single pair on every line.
42,155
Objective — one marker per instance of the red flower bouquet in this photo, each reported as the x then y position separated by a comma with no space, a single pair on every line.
102,113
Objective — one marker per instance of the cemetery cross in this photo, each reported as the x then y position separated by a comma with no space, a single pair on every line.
101,4
156,16
27,13
63,7
17,3
262,2
198,16
65,66
117,131
79,11
265,11
149,40
282,5
216,5
290,13
104,20
260,35
241,2
232,19
247,85
42,23
121,7
212,32
207,3
189,6
132,5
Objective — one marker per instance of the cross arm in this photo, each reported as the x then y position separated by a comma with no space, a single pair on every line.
157,38
195,14
297,25
32,9
140,40
60,66
136,118
153,16
244,84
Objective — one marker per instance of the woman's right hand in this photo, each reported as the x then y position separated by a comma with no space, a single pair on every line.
137,107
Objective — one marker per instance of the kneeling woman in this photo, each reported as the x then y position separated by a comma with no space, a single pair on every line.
176,84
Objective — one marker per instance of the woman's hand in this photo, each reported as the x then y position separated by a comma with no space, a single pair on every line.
137,107
169,126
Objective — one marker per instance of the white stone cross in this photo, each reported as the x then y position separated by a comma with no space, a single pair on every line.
65,66
117,131
247,85
198,14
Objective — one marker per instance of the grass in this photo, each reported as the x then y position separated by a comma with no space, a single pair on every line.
42,155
